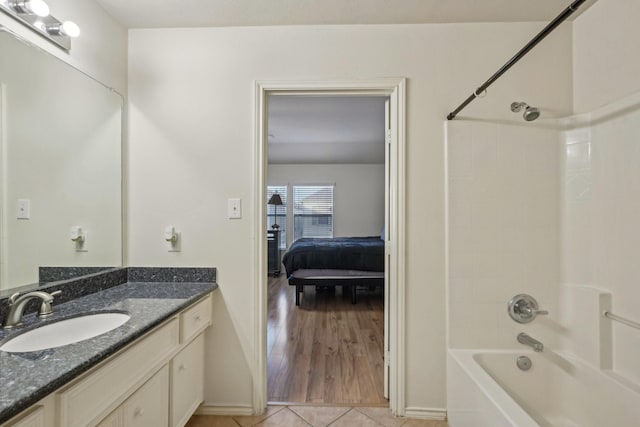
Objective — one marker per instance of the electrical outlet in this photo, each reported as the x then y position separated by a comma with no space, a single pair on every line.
234,208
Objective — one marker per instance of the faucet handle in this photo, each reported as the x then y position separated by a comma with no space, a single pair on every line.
45,306
13,298
523,308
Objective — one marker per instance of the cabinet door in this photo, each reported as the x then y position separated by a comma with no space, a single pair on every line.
149,405
94,394
34,419
113,420
187,375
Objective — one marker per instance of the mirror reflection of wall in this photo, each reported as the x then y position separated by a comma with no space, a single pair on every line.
60,139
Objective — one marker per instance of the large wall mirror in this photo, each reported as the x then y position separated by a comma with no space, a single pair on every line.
60,165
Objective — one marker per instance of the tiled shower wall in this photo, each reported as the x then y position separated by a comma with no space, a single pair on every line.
601,220
503,225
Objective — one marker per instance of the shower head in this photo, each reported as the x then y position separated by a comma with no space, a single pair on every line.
530,113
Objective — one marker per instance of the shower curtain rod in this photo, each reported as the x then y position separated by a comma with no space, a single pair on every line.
534,41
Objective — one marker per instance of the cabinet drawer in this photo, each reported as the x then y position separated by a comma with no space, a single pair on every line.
149,406
187,379
34,419
87,400
195,319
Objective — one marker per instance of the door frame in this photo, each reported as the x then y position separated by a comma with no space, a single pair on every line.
394,236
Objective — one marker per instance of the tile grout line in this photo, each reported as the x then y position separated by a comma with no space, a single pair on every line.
347,409
336,420
299,416
371,418
305,420
353,408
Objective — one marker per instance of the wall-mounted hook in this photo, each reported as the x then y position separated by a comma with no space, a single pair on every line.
79,237
172,237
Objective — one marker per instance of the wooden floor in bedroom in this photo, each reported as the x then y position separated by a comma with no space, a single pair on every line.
327,350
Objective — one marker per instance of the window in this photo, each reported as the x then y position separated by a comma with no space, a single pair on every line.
312,211
281,210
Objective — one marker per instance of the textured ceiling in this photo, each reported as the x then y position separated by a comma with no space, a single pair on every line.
224,13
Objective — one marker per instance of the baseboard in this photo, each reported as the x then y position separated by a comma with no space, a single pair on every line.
426,413
205,409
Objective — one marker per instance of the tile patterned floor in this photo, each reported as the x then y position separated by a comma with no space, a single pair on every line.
314,416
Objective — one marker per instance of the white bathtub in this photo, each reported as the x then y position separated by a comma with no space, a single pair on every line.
487,389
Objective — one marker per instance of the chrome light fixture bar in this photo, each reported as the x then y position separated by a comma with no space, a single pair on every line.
34,14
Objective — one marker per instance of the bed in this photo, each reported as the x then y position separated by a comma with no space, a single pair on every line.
342,261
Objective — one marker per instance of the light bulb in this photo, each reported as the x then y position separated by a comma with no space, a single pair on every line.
67,28
38,7
70,29
29,7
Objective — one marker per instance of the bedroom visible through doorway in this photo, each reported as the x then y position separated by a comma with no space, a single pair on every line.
394,235
327,178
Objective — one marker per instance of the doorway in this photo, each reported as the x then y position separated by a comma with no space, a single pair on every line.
326,181
394,224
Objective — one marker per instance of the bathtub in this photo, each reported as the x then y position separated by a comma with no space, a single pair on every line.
487,389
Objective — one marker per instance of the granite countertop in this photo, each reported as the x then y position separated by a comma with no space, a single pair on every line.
25,378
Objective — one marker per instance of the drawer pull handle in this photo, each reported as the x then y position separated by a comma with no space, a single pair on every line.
181,367
197,318
138,412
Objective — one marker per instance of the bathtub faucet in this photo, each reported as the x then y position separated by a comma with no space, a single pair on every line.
531,342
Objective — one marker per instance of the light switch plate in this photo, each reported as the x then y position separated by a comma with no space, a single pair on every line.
24,209
234,208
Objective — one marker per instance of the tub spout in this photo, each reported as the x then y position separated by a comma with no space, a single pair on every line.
531,342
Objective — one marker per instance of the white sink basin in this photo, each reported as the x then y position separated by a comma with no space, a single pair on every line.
65,332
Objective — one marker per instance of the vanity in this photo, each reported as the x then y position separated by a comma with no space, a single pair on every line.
61,198
147,372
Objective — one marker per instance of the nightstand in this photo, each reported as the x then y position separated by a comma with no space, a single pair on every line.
273,252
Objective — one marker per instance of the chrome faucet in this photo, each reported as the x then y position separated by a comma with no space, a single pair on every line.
531,342
18,302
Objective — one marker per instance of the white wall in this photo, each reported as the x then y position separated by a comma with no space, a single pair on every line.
358,195
605,53
601,207
601,212
192,140
504,219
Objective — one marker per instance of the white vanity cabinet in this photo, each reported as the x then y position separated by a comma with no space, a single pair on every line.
187,376
146,407
42,414
113,420
187,367
33,419
156,381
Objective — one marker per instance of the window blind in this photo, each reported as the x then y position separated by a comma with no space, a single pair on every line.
312,211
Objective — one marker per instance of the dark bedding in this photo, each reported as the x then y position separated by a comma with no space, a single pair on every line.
339,253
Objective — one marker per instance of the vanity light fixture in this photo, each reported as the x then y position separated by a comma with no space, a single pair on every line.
66,28
29,7
34,14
